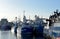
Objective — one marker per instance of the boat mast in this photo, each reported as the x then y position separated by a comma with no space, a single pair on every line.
24,17
16,21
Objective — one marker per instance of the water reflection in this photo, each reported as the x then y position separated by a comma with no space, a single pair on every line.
6,35
10,35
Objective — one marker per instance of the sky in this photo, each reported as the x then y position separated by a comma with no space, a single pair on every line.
14,8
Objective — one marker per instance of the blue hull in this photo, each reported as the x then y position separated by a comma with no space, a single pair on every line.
5,28
30,32
26,33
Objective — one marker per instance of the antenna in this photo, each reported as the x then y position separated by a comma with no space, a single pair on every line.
29,17
16,21
24,13
16,18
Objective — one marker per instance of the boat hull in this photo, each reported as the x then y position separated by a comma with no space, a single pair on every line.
5,28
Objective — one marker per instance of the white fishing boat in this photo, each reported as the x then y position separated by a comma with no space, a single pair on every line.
55,25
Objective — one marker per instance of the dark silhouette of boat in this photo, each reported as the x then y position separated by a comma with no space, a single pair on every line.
30,31
5,27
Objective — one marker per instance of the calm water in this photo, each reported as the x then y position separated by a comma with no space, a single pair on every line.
11,35
8,35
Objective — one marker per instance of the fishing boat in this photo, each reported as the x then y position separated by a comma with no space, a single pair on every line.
26,30
55,25
5,27
32,29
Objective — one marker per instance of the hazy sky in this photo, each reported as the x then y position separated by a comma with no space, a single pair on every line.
12,8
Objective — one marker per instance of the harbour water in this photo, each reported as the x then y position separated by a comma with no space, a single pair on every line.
9,35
